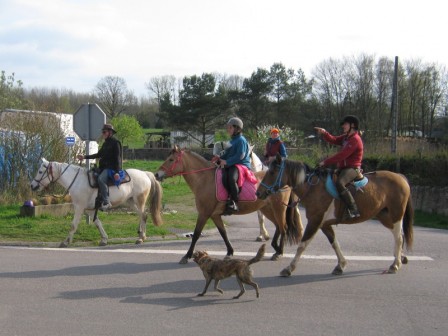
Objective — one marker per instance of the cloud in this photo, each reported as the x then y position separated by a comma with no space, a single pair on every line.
74,43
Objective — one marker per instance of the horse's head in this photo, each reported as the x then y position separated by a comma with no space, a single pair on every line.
172,166
273,180
43,176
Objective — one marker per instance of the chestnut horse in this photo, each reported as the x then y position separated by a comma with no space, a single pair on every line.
386,196
200,177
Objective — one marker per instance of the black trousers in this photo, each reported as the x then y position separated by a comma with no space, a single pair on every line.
230,177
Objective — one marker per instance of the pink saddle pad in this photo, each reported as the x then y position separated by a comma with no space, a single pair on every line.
247,193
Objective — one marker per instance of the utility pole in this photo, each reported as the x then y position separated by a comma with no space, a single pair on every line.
394,108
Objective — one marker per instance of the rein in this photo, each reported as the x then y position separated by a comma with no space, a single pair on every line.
276,186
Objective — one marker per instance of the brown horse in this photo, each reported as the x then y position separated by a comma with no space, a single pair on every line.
386,196
200,177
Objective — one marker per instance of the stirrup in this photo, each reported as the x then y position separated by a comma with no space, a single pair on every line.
353,213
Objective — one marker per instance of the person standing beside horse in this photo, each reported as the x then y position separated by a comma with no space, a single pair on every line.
237,154
109,157
348,159
274,146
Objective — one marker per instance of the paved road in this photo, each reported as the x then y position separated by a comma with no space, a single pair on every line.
130,290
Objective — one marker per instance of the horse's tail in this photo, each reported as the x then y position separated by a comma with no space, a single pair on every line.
408,222
155,196
294,227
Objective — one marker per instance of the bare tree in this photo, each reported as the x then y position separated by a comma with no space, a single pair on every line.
113,95
160,86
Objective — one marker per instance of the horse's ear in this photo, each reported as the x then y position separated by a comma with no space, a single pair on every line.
43,161
278,158
175,148
251,147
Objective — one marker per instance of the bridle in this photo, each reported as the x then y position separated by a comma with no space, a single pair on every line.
48,173
169,171
276,186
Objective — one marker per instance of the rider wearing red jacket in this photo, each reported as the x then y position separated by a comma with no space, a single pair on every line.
348,159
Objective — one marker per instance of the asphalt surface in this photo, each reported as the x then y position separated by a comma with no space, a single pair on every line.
130,290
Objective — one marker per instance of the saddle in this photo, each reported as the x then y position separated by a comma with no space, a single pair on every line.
358,183
92,176
247,188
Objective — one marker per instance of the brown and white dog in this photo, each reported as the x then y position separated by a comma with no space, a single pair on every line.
218,269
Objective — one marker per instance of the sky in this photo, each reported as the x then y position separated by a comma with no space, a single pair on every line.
73,44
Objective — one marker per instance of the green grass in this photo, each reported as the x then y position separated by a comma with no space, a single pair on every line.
180,214
122,225
430,220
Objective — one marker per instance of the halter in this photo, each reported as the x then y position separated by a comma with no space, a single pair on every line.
169,171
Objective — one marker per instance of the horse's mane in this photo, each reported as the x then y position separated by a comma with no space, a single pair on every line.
198,156
297,171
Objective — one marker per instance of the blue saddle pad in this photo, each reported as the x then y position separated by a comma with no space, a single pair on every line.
111,173
331,188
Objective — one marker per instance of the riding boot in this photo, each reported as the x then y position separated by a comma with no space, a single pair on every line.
231,208
352,209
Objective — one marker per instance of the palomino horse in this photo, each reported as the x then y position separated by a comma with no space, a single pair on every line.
75,180
256,166
200,176
386,196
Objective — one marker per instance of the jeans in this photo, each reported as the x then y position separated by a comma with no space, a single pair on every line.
102,185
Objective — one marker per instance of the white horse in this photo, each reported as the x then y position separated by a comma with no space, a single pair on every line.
257,165
75,180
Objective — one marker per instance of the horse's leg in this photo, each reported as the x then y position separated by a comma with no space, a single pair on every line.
264,235
310,231
76,218
104,237
140,206
275,245
200,223
222,231
329,233
397,232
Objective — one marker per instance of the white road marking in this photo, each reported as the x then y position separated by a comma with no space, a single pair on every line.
216,253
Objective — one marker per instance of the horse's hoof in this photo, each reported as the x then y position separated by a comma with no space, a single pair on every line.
183,261
102,243
276,256
259,239
63,245
139,241
404,260
392,270
285,273
337,270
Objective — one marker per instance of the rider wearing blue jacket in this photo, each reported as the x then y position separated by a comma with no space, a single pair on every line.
237,153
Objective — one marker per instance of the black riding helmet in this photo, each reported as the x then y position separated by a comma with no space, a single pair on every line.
351,119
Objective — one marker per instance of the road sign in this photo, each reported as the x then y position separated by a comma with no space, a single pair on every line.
70,141
88,121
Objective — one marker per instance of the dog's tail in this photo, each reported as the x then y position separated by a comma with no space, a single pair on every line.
259,255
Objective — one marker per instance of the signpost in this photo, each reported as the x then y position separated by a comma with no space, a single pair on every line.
88,121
